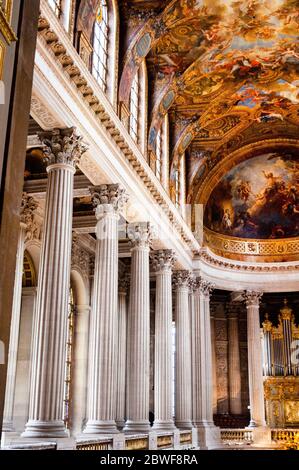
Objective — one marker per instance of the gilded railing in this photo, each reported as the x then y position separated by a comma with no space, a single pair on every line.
261,250
137,443
284,435
236,435
185,438
165,441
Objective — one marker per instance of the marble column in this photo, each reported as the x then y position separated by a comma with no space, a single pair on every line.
107,200
183,384
27,209
62,150
123,286
234,370
139,330
208,433
255,370
162,262
214,362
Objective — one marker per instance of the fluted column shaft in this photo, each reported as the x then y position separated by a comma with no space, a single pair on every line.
63,149
255,372
121,354
139,331
214,364
48,359
202,360
234,371
162,264
14,335
183,384
104,317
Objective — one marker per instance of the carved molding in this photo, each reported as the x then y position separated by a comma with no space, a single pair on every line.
42,115
80,258
29,219
223,264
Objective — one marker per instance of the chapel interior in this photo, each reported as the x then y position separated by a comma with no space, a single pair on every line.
149,224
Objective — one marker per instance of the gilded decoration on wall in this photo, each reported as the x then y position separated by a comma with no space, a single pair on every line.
282,401
5,21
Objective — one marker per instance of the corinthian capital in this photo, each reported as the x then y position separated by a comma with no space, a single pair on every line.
105,195
252,298
204,287
62,146
181,279
140,234
163,260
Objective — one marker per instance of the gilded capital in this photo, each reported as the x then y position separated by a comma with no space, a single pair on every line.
181,279
163,260
252,298
108,196
62,146
140,234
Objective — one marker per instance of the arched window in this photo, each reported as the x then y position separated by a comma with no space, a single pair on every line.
100,46
159,154
177,188
134,108
56,6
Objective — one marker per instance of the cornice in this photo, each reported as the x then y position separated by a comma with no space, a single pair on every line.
227,265
54,38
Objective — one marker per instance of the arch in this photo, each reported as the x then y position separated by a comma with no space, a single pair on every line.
234,158
33,248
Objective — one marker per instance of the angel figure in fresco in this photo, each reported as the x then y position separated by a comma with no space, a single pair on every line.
226,220
244,190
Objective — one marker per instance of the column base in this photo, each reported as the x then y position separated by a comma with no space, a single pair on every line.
100,427
184,424
208,436
137,426
36,428
261,437
160,425
7,426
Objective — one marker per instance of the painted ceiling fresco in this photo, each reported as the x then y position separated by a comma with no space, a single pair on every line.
258,198
224,71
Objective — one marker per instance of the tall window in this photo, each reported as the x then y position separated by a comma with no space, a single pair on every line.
100,46
69,358
56,6
177,187
159,152
134,108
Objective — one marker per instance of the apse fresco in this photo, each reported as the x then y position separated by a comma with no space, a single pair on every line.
258,198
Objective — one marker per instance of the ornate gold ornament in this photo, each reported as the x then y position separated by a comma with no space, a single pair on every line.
283,249
5,18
